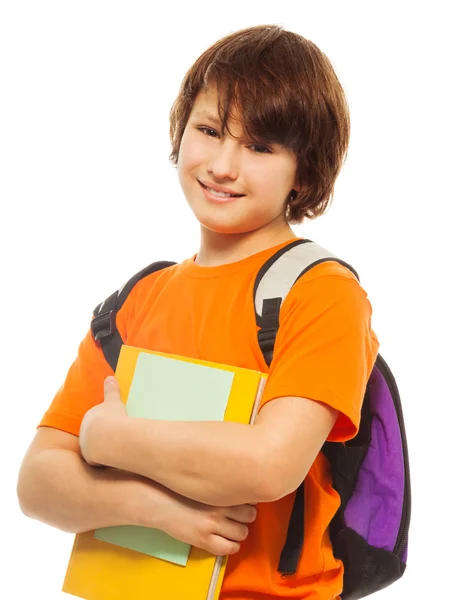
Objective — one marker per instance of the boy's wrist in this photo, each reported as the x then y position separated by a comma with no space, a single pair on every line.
147,503
129,500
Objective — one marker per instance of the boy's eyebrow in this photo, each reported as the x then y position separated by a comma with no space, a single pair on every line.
207,115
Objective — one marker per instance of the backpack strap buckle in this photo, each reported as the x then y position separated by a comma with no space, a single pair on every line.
104,324
269,327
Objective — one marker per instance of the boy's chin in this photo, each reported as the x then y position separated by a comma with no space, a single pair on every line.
222,228
229,222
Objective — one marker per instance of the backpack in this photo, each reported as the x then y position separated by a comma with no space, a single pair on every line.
369,532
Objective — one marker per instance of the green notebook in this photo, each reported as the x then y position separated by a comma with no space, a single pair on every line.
172,390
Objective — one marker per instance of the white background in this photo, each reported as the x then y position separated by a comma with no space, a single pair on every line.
88,198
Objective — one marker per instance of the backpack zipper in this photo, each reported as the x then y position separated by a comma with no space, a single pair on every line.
406,512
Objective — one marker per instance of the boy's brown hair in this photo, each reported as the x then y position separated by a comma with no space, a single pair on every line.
285,91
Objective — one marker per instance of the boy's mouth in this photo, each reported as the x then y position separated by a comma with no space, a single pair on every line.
220,194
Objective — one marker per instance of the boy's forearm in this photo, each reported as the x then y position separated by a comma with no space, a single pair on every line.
217,463
59,488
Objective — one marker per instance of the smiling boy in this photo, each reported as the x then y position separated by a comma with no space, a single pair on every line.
262,116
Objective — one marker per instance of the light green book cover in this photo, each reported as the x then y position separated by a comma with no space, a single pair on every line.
171,390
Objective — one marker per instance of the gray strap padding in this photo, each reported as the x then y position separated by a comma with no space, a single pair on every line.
283,273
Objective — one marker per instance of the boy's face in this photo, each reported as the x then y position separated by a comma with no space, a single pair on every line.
264,178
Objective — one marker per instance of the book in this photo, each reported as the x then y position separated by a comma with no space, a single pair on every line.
131,562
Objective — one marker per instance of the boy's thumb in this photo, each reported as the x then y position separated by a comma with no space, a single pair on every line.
111,387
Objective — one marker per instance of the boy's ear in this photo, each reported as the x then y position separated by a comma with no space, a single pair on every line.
302,188
295,192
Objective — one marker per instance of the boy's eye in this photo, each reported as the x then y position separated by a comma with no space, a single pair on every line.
265,150
204,129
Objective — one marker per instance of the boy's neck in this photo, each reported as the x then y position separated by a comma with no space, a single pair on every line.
219,249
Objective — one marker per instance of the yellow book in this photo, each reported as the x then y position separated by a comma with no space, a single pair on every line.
137,563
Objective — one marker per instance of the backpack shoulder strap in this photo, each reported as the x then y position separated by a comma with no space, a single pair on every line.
272,284
274,281
103,325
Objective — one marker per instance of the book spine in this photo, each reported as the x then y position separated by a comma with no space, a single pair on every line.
214,578
259,393
220,559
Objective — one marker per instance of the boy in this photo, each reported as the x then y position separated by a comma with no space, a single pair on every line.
261,116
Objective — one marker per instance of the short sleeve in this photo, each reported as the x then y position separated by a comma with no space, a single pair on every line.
83,385
325,348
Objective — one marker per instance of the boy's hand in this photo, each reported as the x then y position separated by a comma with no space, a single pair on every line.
218,530
100,420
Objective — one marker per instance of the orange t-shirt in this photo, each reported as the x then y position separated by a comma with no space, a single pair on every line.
325,350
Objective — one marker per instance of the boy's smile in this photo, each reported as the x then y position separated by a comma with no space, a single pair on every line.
218,197
219,188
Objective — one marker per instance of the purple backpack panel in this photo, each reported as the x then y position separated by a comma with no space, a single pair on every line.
379,509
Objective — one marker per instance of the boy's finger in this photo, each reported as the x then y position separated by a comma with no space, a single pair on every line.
111,387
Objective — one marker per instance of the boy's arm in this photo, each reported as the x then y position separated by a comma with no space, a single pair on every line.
218,463
56,486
